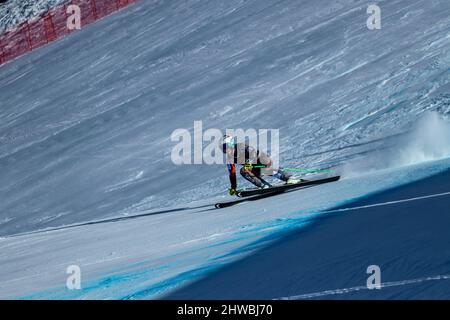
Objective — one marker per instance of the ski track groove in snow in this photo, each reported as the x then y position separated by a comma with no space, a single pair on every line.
359,288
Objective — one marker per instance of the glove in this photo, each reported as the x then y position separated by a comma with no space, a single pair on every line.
232,191
248,166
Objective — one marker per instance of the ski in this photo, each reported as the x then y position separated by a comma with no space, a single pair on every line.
285,187
273,191
221,205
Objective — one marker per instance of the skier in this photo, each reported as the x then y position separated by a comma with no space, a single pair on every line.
255,164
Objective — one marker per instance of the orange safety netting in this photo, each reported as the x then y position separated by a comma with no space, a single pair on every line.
52,25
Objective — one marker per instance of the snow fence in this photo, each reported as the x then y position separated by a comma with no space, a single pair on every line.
52,25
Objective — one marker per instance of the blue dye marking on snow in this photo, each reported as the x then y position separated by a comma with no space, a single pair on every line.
131,285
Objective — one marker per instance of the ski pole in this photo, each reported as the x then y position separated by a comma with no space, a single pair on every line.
297,169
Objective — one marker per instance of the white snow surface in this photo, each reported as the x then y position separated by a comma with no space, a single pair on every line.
15,12
85,128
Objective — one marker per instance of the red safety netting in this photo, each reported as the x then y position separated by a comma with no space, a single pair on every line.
52,26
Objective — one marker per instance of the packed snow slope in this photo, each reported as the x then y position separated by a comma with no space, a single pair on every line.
200,252
85,123
15,12
85,127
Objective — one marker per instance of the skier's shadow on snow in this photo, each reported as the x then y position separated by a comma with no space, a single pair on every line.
110,220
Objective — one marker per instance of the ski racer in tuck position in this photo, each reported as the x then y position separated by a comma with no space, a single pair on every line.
255,164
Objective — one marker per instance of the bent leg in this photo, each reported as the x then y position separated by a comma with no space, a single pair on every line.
269,171
253,178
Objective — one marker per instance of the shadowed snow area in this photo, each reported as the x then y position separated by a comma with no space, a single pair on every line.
403,231
85,127
151,256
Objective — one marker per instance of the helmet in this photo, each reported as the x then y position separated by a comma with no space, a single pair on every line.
228,142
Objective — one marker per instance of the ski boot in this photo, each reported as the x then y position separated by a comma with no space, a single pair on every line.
286,177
